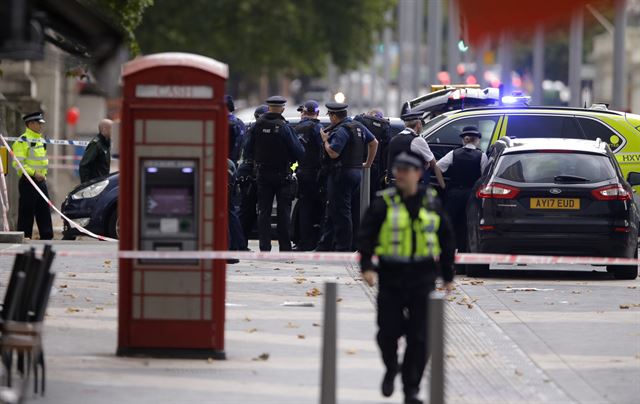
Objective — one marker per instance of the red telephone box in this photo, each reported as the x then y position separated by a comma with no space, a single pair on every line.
173,197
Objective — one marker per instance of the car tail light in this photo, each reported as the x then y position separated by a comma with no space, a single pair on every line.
611,193
622,229
497,191
487,227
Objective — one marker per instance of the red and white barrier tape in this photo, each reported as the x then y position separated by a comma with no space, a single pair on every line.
35,186
353,258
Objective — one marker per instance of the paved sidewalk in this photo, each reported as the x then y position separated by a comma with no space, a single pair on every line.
273,351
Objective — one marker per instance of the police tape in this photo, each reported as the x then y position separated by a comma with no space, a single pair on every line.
73,224
77,143
347,258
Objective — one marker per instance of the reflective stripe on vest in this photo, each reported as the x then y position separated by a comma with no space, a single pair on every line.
395,241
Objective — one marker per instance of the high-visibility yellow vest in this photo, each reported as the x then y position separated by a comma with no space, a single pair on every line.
395,241
31,152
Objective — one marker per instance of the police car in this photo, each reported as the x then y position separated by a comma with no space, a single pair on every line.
445,98
620,130
554,197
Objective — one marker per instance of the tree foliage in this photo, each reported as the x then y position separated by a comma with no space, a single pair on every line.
128,15
265,37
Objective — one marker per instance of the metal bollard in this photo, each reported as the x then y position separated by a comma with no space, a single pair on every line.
436,348
328,376
365,190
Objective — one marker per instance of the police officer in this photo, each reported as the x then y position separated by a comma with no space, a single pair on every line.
237,130
237,241
30,150
409,139
345,146
96,160
274,145
413,239
463,166
381,128
310,202
246,180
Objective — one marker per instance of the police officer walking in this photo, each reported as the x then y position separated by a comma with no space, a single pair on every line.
236,130
96,160
273,145
345,146
409,139
310,203
380,127
413,239
30,150
464,166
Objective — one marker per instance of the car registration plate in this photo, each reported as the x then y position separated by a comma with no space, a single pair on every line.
555,203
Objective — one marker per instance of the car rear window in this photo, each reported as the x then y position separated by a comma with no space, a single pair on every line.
545,167
536,126
450,132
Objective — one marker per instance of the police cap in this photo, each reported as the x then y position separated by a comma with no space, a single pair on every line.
276,101
311,106
333,107
470,131
262,109
34,116
412,116
408,160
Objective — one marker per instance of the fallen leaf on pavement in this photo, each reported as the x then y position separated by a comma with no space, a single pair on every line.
316,325
624,306
496,312
73,310
62,286
518,373
247,319
88,299
299,280
209,360
477,282
72,275
449,356
338,300
482,355
252,330
292,325
576,292
99,308
263,357
313,292
350,351
516,300
107,262
276,269
632,287
301,336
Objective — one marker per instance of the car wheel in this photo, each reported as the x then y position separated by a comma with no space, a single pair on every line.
624,271
113,225
68,237
478,270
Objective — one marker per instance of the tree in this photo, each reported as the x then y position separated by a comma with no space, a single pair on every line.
128,15
258,37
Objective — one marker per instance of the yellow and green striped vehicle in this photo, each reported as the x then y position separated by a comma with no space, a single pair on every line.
619,129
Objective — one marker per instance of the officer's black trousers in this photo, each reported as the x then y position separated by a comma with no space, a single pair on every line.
403,311
274,184
455,203
248,208
31,204
311,208
342,188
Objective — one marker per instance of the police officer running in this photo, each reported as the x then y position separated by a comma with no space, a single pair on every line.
413,239
236,130
345,146
31,151
273,145
464,166
380,127
310,201
96,160
409,139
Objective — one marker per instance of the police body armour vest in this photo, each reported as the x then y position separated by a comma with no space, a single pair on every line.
353,152
399,231
379,127
465,168
400,143
313,151
270,149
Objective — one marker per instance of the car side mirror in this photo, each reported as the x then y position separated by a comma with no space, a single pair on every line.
633,179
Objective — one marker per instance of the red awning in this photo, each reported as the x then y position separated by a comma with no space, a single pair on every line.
489,18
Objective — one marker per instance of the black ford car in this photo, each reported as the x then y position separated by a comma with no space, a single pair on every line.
554,197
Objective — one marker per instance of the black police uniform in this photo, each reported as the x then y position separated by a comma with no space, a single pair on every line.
237,130
237,241
310,201
96,160
381,129
463,172
273,145
404,289
401,142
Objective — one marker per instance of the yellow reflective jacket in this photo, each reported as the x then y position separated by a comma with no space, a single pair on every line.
31,152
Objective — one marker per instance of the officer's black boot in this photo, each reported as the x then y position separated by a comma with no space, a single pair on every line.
388,382
412,398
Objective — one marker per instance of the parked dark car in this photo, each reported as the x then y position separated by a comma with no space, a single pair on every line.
554,197
94,206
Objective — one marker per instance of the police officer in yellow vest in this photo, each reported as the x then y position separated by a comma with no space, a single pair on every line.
407,230
30,150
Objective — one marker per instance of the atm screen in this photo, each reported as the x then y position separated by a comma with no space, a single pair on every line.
163,201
